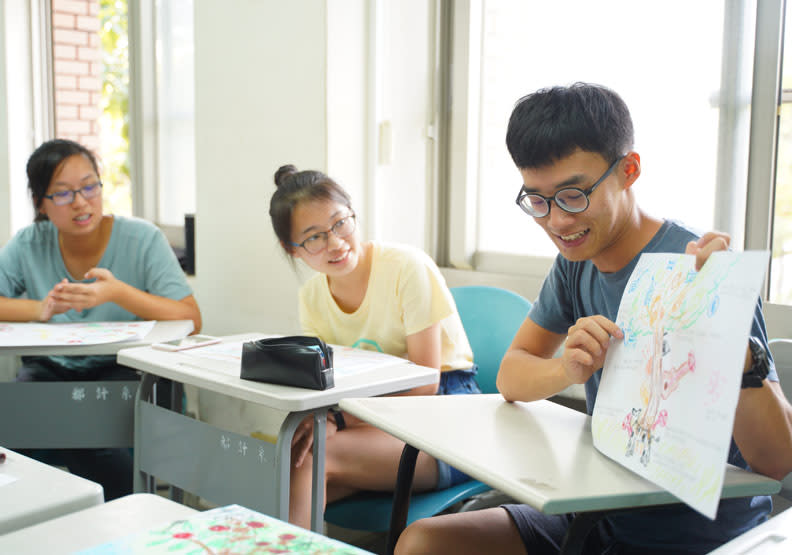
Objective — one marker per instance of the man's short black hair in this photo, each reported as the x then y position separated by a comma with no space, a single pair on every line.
552,123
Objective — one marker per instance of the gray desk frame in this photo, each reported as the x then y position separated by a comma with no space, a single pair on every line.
538,453
75,414
198,457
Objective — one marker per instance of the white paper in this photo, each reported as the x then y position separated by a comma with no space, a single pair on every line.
347,361
666,403
13,334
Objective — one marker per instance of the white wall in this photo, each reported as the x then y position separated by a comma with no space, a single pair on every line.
263,98
260,96
291,82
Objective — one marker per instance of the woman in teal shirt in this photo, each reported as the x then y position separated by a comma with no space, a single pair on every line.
77,264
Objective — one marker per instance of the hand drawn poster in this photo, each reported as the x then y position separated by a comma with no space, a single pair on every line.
666,403
40,334
230,529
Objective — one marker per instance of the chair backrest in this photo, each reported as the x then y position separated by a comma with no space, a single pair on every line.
491,317
781,349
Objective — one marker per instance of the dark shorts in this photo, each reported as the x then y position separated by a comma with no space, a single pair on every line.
543,534
454,382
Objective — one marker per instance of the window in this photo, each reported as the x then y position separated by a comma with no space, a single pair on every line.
123,86
781,267
684,83
175,111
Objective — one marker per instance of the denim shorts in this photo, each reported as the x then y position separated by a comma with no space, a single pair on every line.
454,382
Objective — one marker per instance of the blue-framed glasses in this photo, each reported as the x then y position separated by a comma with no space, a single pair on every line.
62,198
317,242
570,199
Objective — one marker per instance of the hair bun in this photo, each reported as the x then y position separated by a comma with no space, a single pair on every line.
284,173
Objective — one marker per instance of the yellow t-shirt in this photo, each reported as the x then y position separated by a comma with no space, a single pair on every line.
406,294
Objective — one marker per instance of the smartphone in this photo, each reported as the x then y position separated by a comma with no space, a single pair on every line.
189,342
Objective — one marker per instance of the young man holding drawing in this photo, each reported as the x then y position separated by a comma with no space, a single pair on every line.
573,147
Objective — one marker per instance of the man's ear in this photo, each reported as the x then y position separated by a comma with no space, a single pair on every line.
631,167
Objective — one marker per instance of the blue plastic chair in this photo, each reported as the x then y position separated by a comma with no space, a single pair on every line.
491,317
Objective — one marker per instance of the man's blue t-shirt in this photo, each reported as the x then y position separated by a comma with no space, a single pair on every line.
575,290
137,254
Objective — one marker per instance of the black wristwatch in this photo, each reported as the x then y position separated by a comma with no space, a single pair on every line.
760,366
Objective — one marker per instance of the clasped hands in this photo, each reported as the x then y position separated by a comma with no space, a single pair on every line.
588,340
79,296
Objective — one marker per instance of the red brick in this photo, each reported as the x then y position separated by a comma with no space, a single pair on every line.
63,21
74,126
64,52
70,6
89,84
96,69
65,82
88,23
93,40
72,97
66,67
64,111
89,113
96,98
64,36
87,54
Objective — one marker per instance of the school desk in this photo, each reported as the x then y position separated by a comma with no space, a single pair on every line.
84,414
32,492
538,453
96,525
772,537
225,467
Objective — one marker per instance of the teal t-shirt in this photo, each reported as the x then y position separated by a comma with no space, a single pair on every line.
137,254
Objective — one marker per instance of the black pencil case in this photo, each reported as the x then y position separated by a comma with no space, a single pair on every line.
297,360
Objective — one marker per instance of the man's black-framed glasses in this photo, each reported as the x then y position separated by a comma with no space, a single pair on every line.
570,199
62,198
317,242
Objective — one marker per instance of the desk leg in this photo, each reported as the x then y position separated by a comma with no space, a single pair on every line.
401,495
318,480
139,478
578,531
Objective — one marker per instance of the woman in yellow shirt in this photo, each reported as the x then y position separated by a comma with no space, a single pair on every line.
386,297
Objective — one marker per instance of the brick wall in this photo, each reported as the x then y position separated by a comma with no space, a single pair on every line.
77,73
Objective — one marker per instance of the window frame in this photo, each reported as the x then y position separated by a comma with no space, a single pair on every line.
462,185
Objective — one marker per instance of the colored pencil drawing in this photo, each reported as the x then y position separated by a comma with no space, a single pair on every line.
668,390
227,530
18,334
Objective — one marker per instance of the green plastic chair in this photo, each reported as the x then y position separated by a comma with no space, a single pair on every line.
491,317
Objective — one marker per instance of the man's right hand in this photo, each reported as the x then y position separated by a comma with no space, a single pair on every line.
586,346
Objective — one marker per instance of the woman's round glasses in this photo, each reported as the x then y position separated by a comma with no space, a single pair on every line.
317,242
62,198
570,199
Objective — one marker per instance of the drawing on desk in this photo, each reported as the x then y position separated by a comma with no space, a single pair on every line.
230,529
19,334
666,402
